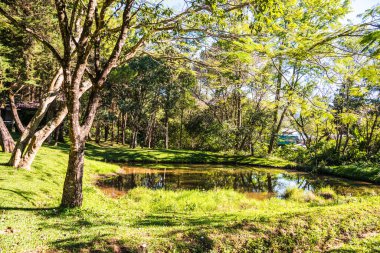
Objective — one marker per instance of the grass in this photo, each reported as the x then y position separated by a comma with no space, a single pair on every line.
357,171
367,244
168,221
118,153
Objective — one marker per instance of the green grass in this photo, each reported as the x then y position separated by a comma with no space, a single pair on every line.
119,153
357,171
167,221
367,244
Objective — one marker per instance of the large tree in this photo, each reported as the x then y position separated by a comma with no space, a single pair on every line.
94,38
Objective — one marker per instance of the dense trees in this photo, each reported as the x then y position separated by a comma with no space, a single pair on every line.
216,75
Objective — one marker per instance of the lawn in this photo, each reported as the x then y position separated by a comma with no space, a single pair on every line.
360,171
168,221
118,153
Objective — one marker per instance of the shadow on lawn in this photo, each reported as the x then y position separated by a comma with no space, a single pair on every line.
124,155
169,220
98,244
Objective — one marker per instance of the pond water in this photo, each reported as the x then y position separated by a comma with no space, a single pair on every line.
257,183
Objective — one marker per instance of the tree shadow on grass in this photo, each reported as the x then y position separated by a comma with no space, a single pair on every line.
23,194
167,220
98,244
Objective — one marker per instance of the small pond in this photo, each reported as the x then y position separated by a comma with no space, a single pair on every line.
257,183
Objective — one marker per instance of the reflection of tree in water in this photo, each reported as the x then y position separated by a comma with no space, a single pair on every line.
240,180
248,181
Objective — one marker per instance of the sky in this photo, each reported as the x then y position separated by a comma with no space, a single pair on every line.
357,6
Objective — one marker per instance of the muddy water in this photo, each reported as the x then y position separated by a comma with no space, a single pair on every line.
259,183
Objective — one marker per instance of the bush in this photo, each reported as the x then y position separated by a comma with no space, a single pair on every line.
327,193
295,194
300,195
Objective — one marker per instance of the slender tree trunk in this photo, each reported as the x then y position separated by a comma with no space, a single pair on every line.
112,132
123,125
36,120
134,138
347,139
56,135
276,109
181,129
106,132
40,136
61,137
97,133
7,143
19,125
118,130
166,130
370,136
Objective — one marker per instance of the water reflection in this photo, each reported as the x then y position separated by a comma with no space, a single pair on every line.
253,181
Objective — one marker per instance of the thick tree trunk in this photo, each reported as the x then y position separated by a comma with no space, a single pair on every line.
7,143
19,125
72,190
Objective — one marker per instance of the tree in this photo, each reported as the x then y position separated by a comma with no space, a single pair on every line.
87,39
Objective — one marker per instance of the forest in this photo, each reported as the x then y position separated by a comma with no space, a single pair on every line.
189,126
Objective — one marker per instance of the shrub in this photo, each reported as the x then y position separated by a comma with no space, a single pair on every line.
327,193
295,194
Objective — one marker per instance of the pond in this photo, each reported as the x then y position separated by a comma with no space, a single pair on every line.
257,183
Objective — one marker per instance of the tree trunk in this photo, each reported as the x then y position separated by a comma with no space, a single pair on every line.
6,141
118,129
36,120
134,138
275,112
97,133
181,129
123,125
40,136
106,132
72,190
166,131
61,133
19,125
112,132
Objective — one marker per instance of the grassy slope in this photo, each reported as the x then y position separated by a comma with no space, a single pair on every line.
123,154
185,221
370,173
